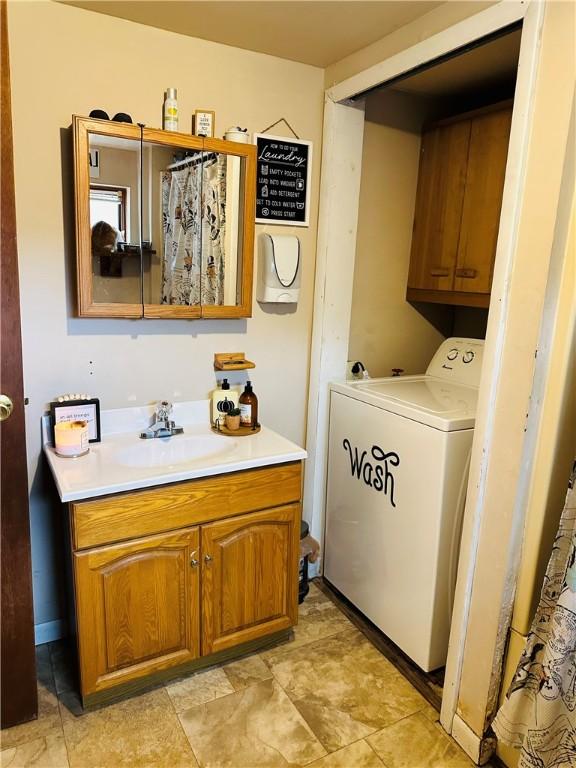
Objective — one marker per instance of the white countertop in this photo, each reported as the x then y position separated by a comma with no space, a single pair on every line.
122,461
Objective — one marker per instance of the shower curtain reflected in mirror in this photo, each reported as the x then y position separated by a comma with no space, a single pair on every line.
194,227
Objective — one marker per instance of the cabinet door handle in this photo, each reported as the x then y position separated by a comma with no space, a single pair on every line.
464,272
208,558
194,563
440,272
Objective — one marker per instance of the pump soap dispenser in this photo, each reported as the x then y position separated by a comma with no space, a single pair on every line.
224,399
248,407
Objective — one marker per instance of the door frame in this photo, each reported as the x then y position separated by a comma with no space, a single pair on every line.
340,182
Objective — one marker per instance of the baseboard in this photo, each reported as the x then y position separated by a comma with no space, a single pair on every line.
478,749
49,631
466,738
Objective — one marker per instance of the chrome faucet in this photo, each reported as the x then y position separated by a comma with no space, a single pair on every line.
162,426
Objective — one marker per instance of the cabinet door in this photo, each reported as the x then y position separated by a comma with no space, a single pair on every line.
249,577
439,199
137,608
489,137
107,170
200,194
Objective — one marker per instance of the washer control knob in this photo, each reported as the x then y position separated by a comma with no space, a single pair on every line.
453,354
468,356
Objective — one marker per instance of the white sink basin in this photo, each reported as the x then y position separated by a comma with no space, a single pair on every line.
171,451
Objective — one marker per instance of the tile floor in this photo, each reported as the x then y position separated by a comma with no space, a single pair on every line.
326,699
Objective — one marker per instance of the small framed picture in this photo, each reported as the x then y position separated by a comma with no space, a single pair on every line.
78,410
204,120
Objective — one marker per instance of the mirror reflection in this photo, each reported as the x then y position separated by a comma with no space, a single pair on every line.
166,223
115,219
192,226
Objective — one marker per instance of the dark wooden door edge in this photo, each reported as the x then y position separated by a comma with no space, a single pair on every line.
19,698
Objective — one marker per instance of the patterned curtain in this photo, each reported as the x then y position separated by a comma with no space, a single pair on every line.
539,715
213,230
181,259
194,225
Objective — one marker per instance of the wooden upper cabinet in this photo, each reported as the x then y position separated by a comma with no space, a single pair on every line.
164,222
249,577
439,199
458,202
137,608
489,137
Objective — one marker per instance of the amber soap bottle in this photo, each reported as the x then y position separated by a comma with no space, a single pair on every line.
248,404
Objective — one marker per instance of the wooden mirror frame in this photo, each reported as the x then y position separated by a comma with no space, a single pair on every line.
82,127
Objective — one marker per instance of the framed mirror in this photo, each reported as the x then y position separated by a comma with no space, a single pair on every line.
164,223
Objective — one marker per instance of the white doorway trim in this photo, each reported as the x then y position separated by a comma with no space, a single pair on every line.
338,217
496,340
465,32
343,131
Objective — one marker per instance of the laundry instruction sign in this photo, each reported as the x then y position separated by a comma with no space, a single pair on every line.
283,180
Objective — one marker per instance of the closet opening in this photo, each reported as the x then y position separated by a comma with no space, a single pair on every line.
433,166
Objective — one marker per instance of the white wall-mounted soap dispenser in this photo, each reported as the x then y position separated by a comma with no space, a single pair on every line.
278,269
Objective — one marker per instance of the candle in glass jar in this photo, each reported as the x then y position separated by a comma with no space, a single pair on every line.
71,438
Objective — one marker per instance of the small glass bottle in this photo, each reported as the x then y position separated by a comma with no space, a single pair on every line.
248,404
170,111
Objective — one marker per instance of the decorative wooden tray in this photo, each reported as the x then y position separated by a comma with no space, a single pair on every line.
240,432
231,361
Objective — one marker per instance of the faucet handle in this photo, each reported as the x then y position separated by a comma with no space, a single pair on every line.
163,411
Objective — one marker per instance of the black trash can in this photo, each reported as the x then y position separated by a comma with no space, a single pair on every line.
303,587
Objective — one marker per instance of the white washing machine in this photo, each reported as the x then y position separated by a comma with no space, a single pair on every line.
399,452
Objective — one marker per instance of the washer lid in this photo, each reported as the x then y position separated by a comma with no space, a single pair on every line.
427,399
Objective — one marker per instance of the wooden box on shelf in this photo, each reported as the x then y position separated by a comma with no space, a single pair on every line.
232,361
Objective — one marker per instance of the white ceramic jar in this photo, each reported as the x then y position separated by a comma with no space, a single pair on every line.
235,133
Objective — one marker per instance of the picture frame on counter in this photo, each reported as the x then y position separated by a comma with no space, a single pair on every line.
204,122
78,410
283,180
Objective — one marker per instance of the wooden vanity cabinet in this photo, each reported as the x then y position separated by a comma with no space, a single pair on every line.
458,203
215,569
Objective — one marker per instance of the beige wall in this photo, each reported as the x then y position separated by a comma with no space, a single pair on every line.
66,60
420,29
386,331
